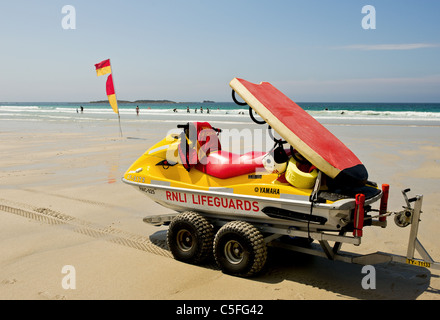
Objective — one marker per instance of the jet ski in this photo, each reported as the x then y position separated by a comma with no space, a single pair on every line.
189,171
309,182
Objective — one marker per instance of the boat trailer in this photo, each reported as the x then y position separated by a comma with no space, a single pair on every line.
272,234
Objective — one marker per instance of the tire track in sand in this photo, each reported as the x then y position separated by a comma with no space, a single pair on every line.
101,204
51,217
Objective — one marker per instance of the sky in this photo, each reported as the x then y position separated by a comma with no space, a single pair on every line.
189,50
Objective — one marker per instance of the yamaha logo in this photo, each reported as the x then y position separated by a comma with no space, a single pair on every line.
267,190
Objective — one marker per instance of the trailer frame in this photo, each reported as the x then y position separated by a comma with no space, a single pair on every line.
322,248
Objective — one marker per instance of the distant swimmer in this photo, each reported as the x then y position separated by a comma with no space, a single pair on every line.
82,109
175,110
137,110
187,110
201,109
195,110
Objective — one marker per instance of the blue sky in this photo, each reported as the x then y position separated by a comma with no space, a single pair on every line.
189,50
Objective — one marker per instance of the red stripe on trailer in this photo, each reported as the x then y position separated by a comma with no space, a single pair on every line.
384,201
359,215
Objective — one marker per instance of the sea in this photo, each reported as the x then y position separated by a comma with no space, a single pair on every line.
417,114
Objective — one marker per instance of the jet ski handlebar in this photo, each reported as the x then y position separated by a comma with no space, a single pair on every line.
186,127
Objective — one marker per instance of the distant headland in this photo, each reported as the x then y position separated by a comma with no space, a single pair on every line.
137,101
150,102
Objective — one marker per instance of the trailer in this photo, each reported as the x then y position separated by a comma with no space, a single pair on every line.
240,246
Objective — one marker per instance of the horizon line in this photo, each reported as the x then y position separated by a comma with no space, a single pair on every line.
207,103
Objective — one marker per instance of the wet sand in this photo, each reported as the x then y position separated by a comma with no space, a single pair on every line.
62,203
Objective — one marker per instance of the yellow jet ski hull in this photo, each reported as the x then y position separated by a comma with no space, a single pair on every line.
255,196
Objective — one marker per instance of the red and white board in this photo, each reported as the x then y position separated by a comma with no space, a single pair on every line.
303,132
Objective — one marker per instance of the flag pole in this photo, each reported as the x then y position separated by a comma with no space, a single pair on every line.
119,117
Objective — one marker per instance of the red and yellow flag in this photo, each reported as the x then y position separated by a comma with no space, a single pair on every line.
103,68
111,94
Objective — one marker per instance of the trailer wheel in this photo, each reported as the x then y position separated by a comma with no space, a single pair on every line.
190,237
239,249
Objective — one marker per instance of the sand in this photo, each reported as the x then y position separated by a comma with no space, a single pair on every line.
62,203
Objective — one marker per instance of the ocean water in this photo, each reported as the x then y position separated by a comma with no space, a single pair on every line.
334,113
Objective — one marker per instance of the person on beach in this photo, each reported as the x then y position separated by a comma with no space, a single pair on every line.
195,110
82,109
187,110
137,110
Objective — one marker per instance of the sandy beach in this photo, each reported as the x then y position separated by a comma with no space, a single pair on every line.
62,203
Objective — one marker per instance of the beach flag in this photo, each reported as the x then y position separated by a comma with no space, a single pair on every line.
103,68
111,93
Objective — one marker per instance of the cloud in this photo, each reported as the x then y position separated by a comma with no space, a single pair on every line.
365,82
407,46
396,89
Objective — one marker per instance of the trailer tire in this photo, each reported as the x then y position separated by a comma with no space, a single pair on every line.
239,249
190,237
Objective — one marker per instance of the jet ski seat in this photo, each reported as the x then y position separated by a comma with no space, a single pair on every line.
200,148
224,164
